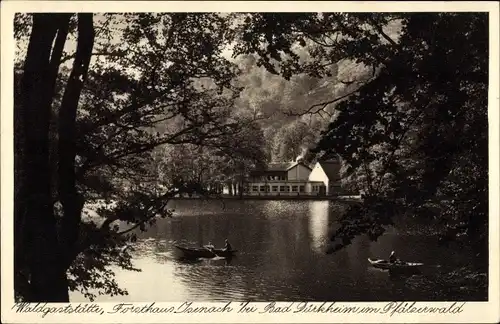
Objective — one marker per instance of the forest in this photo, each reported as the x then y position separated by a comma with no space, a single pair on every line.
126,111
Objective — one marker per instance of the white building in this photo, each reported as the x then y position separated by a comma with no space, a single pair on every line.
327,173
294,179
280,179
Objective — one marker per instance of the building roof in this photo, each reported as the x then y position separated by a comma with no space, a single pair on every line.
283,166
331,169
280,166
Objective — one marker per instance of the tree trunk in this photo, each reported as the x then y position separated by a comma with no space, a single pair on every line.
69,197
241,184
35,221
21,281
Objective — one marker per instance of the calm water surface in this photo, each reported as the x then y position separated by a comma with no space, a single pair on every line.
281,256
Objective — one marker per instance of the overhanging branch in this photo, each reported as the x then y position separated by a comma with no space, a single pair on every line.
319,107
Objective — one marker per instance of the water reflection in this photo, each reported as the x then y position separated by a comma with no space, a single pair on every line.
318,225
281,256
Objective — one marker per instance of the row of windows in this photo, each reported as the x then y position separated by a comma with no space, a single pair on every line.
276,178
276,188
271,178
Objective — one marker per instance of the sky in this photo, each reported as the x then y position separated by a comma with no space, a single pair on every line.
99,20
393,30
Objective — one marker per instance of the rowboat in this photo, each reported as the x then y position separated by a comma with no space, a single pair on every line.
196,252
398,265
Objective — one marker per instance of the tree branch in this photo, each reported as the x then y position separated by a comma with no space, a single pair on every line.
119,53
321,106
163,200
381,32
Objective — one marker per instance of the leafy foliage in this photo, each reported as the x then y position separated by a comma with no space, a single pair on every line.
154,80
413,135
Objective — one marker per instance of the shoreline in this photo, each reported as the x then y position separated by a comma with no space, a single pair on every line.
352,199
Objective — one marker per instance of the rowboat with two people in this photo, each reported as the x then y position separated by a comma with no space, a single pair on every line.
226,252
208,251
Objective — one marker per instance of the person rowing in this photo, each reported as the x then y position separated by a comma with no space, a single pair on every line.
227,246
393,258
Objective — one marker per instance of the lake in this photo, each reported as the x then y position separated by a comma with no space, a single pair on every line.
281,256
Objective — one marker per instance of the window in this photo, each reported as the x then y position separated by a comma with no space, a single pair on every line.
275,188
255,188
282,188
287,188
262,188
301,189
294,188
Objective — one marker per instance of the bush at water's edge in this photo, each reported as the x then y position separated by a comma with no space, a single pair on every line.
465,283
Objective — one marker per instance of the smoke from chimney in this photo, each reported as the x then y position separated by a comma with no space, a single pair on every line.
302,154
